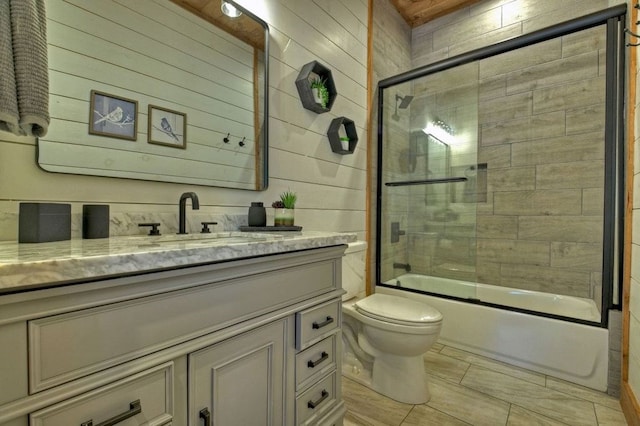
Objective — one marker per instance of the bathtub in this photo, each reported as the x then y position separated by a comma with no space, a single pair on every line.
567,350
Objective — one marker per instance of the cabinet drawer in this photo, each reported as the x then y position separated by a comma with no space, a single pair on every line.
316,400
315,361
151,390
315,323
71,345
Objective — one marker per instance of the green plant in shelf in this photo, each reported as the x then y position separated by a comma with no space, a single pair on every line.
320,84
287,201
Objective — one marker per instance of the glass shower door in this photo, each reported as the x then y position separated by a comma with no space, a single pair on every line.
497,177
431,180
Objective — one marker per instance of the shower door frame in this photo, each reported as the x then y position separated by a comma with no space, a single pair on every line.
614,157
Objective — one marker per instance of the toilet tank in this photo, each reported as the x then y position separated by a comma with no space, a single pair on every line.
353,270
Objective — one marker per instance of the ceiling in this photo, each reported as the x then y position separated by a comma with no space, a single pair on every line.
414,12
418,12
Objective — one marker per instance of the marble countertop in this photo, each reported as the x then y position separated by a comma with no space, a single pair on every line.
31,266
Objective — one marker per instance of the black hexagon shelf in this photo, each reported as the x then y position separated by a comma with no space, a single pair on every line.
307,74
334,135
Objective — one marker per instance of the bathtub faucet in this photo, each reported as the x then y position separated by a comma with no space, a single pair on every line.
404,266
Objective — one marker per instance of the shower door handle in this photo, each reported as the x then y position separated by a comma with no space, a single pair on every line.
396,232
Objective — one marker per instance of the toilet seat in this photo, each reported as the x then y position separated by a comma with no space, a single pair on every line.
398,310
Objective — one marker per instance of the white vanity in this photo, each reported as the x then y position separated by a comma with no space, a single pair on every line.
131,331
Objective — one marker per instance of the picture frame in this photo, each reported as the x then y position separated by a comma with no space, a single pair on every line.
167,127
113,116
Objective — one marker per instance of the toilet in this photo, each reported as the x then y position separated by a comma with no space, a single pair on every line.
384,337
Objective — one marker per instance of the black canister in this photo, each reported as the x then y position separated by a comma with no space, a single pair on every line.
257,215
95,221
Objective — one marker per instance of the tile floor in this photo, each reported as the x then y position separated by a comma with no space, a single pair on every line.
468,389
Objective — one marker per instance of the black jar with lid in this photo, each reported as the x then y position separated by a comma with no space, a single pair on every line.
257,214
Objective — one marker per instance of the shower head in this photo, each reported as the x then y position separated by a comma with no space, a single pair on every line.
404,101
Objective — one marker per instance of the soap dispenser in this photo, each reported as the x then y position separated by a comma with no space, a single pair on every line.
257,214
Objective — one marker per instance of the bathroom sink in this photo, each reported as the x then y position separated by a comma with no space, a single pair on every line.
215,238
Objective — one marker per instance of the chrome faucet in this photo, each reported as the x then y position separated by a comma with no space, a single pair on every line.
195,205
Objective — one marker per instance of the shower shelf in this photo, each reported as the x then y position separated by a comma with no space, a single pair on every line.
427,181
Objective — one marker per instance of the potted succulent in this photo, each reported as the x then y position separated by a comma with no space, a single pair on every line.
284,209
344,141
320,91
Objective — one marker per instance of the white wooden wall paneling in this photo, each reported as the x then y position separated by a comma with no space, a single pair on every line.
331,188
78,89
92,58
204,145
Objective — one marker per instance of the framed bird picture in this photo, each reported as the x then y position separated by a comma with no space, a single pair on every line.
167,127
113,116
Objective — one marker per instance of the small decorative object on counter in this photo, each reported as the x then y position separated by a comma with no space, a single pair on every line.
95,221
44,222
284,209
257,214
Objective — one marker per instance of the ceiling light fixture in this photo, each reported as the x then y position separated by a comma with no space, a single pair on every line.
440,131
230,10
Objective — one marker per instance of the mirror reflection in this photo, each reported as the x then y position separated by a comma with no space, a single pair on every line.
196,79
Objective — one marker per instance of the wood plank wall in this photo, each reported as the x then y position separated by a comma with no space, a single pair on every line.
155,53
331,187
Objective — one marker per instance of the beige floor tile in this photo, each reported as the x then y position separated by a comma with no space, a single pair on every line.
350,420
519,416
584,393
423,415
437,347
609,417
548,402
468,389
467,404
368,408
445,367
498,366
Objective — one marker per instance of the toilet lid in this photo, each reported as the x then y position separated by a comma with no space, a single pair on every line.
398,309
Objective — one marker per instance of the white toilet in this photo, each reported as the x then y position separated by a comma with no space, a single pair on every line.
384,337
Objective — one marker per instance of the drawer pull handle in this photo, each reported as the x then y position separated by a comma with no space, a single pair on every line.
314,404
134,408
328,321
206,416
314,364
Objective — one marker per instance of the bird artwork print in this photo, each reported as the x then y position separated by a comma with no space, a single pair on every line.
166,128
116,117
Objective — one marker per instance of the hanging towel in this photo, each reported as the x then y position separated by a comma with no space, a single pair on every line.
24,78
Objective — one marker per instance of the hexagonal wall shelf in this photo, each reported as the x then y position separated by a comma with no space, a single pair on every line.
342,127
307,74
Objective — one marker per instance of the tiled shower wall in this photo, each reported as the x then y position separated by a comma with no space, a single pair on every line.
541,121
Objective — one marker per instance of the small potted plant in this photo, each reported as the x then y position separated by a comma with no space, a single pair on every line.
344,141
320,91
284,209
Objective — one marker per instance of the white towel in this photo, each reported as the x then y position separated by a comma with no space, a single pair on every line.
24,82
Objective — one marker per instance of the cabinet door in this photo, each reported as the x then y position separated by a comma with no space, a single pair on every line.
240,381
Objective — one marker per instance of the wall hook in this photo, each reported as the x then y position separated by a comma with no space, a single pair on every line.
226,139
241,143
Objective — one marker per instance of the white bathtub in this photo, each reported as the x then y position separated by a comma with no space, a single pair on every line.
574,352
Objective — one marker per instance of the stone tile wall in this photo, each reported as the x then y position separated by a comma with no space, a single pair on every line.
540,131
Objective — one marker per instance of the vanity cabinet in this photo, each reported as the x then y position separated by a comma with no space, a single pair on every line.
253,342
241,380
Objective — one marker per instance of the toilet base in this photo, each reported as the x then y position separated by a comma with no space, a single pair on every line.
401,378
